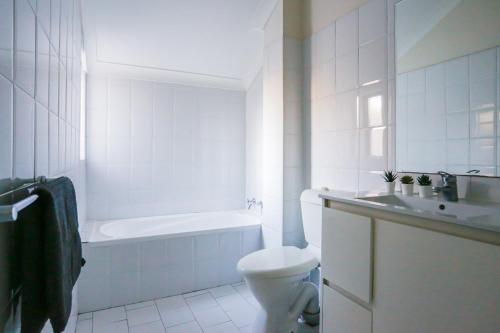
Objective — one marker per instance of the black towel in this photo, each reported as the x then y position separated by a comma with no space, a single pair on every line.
51,256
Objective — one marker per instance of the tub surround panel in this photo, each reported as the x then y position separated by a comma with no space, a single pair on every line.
157,148
119,274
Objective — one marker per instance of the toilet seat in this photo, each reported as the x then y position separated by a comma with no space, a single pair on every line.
277,262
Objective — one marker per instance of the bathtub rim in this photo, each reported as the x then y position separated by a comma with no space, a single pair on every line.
91,226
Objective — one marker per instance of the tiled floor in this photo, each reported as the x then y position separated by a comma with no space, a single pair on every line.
225,309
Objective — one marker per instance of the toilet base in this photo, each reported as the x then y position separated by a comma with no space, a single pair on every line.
263,324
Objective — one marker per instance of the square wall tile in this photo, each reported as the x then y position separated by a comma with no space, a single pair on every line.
482,65
457,98
457,125
373,105
42,67
483,94
6,37
24,51
24,131
346,110
6,128
373,149
372,21
482,123
373,62
346,72
324,44
457,71
42,141
482,152
346,36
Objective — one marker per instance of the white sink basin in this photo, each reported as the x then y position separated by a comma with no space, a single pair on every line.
457,210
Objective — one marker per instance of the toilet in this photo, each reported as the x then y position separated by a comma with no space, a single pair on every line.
276,277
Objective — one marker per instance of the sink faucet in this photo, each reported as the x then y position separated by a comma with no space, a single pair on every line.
253,202
448,187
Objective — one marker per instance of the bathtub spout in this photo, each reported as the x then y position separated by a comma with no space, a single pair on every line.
307,304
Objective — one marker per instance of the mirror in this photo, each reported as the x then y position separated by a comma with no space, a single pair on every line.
448,86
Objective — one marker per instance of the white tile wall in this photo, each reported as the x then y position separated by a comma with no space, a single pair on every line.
157,148
38,135
254,142
368,33
460,110
135,272
350,120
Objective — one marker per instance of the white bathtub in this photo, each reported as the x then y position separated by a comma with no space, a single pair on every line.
127,230
134,260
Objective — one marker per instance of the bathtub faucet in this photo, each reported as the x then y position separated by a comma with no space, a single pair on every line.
253,202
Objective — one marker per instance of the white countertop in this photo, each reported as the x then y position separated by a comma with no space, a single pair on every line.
489,222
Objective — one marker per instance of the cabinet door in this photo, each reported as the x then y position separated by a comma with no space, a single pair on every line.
431,282
346,252
341,315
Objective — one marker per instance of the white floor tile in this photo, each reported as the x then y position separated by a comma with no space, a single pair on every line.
142,315
222,291
253,302
172,317
191,327
244,290
223,328
138,305
201,302
195,293
211,316
231,301
246,329
84,326
114,327
154,327
85,316
242,315
172,302
108,316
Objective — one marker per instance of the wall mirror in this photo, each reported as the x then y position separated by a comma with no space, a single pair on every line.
448,86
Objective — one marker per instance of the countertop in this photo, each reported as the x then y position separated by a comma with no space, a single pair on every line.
485,223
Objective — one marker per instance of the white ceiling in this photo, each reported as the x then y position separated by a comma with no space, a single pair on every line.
205,42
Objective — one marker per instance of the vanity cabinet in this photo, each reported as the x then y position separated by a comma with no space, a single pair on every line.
382,276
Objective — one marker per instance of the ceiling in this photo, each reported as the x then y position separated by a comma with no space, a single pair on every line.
203,42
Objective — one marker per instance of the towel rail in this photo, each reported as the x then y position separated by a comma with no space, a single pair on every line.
9,213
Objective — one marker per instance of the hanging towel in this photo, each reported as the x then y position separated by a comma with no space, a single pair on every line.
51,256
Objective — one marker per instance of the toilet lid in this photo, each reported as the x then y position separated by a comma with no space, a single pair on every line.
277,262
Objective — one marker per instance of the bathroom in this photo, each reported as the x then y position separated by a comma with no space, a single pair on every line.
259,165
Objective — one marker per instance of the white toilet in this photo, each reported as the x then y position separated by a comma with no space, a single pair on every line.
275,277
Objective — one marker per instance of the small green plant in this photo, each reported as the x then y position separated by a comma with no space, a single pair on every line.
424,180
390,176
407,180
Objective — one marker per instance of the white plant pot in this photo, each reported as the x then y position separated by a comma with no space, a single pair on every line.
425,191
407,189
390,187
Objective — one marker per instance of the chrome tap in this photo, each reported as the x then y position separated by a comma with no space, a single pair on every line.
253,202
448,187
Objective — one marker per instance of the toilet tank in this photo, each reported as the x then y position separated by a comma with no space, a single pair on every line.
311,206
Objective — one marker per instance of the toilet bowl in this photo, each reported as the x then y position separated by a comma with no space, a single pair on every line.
275,276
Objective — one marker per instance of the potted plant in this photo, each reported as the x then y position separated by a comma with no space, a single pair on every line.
424,186
407,185
390,181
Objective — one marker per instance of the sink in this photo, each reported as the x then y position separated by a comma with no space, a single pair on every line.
457,210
